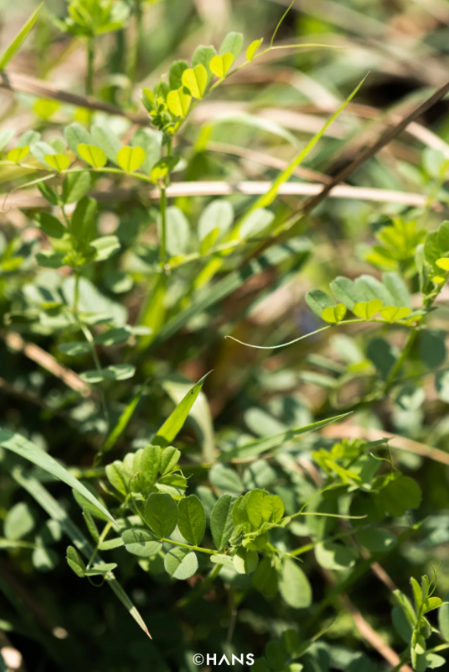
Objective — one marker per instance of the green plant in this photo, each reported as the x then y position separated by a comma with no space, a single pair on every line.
255,512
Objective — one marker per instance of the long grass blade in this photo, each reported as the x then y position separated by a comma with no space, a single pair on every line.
123,421
173,425
213,295
29,451
56,512
272,442
21,36
266,199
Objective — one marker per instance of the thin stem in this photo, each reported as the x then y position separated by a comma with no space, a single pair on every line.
312,333
90,66
428,303
390,381
191,548
90,340
103,536
163,209
202,588
134,61
76,298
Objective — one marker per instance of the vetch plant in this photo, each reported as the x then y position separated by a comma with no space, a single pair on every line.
272,491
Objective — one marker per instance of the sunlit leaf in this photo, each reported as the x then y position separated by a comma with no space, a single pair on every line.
92,155
131,158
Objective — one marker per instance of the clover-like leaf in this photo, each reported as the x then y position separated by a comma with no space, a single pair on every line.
163,168
50,225
192,520
161,514
92,155
443,263
18,154
245,562
131,158
272,508
169,458
366,310
334,314
221,523
76,562
58,162
141,542
393,314
181,563
195,80
220,65
179,102
253,49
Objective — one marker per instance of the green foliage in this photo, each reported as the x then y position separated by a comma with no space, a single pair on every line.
242,485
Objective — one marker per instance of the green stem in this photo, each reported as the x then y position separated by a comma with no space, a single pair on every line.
191,548
103,536
76,298
201,590
391,378
90,66
90,340
134,61
428,303
163,209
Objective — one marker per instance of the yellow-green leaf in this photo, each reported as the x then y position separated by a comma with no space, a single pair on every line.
367,309
393,313
179,102
45,108
59,162
131,158
220,65
18,154
334,314
252,49
195,80
443,263
92,155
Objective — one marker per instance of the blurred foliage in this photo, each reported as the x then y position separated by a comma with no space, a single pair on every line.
280,506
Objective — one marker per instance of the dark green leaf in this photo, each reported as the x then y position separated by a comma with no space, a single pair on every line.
50,225
192,520
221,524
161,514
75,186
294,586
175,422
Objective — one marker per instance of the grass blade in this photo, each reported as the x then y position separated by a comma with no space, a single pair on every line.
271,442
56,512
15,45
266,199
123,421
176,420
212,295
177,387
29,451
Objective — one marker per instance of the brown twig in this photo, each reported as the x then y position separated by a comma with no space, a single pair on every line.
219,188
366,154
25,84
349,431
47,361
